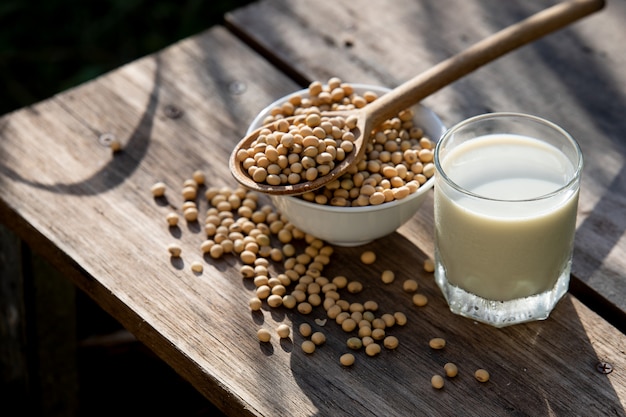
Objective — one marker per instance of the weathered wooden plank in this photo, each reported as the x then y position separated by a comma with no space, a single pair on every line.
91,213
572,77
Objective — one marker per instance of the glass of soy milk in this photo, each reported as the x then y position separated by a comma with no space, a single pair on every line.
506,197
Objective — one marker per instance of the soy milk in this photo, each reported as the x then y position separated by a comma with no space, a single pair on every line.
510,235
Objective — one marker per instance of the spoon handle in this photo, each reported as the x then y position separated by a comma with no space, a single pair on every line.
486,50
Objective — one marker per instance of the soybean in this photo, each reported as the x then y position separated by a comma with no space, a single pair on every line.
355,343
451,369
481,375
365,331
318,338
355,287
437,343
283,331
246,270
289,301
391,342
172,219
340,281
264,335
367,340
274,300
305,329
378,334
368,257
216,251
437,381
429,265
400,318
247,257
174,250
387,276
304,308
198,177
410,285
158,189
347,359
389,319
372,349
255,303
189,192
348,325
115,145
420,300
308,346
196,266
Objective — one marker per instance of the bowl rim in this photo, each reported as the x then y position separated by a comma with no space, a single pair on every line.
340,209
359,209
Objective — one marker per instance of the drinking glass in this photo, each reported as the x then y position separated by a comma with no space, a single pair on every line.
506,198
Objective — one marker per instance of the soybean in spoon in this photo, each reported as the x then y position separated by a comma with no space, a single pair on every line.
420,87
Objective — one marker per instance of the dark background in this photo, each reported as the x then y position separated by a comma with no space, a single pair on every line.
47,46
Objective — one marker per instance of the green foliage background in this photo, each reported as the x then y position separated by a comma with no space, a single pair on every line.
47,46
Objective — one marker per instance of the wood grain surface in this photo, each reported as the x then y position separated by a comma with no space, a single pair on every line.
91,214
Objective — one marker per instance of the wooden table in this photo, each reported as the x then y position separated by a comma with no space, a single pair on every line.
91,214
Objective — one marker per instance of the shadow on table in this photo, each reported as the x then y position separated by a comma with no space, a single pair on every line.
540,368
118,169
605,225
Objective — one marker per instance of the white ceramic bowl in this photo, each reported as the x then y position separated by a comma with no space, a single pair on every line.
354,226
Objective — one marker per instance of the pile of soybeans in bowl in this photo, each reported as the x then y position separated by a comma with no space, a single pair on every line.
381,192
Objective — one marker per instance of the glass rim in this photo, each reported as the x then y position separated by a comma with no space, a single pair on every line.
448,133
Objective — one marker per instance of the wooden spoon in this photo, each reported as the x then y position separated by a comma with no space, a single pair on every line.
424,84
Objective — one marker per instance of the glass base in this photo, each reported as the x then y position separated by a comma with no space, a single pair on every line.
502,313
